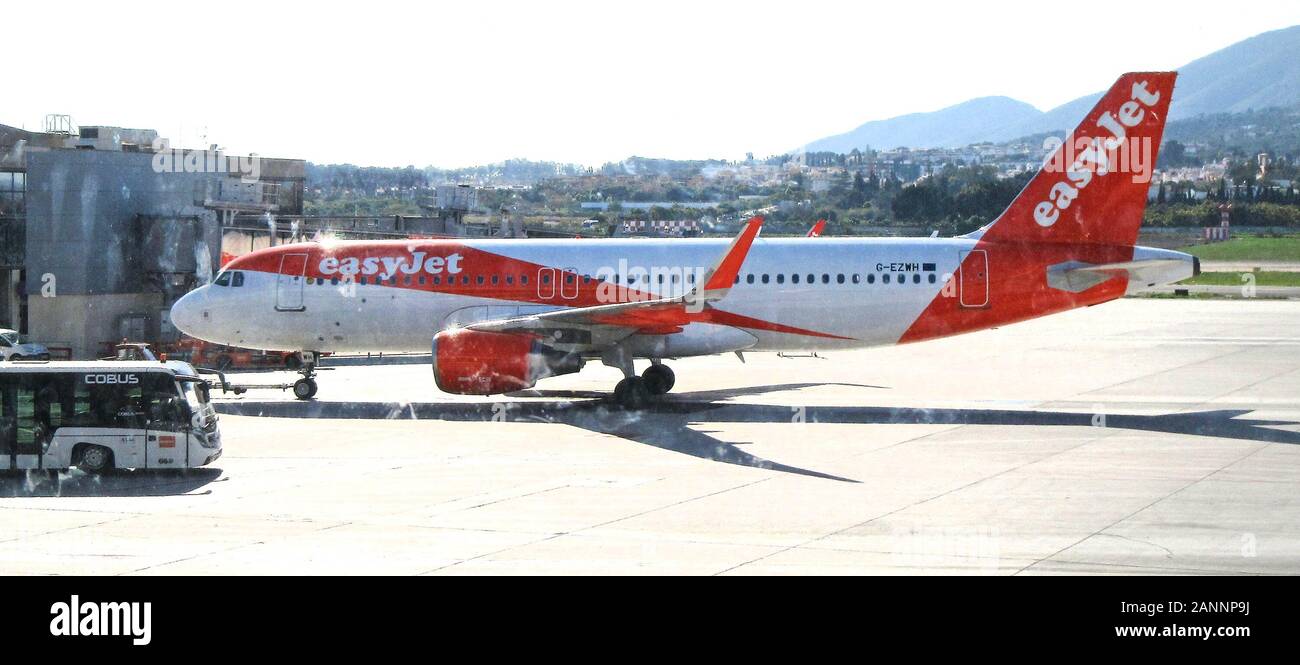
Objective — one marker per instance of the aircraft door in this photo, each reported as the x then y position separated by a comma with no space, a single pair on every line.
569,285
289,283
546,283
974,278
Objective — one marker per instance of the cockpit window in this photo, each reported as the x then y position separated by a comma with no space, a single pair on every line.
230,278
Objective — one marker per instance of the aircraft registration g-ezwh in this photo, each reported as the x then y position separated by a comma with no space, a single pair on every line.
502,314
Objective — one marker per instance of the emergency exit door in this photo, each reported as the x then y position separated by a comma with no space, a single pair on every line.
289,283
974,283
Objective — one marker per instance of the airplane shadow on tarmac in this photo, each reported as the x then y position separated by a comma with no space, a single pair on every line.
667,424
139,482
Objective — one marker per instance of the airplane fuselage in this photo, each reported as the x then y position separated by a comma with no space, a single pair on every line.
792,294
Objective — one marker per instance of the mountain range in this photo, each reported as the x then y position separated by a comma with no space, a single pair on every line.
1260,72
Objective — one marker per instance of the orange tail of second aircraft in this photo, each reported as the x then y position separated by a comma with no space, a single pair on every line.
1083,208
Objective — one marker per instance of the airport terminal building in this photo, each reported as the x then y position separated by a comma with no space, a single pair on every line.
103,228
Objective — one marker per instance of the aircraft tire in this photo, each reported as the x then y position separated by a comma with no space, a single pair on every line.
304,388
659,379
632,394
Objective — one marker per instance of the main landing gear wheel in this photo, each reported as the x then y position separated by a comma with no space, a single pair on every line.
658,379
632,393
304,388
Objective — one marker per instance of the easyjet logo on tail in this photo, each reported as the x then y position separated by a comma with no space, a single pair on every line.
1094,160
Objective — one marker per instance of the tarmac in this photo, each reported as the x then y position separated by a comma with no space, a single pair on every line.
1138,437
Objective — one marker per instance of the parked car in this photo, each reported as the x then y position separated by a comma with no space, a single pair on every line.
13,348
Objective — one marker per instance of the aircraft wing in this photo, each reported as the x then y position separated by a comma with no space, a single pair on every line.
653,316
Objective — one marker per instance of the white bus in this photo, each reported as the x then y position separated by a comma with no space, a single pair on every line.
105,415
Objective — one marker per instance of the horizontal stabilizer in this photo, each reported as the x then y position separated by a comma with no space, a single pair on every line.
1077,276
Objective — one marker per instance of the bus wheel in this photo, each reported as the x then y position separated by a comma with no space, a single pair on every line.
304,388
95,459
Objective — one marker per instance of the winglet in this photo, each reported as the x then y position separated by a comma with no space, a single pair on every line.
722,275
818,229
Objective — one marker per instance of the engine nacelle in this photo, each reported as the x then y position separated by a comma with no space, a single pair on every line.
469,362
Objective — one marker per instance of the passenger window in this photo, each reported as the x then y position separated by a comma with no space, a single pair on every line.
496,280
764,278
334,281
523,279
839,279
780,278
916,279
871,278
464,280
812,279
749,279
478,280
932,279
794,279
857,279
510,279
546,278
885,278
422,281
826,278
437,281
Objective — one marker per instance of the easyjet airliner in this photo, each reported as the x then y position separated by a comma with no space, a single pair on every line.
501,314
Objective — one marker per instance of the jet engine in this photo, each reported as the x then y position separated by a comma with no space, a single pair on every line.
469,362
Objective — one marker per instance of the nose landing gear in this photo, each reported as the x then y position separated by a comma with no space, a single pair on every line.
305,388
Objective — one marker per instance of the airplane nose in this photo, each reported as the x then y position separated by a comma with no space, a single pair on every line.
188,313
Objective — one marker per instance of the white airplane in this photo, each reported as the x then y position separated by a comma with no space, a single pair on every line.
501,314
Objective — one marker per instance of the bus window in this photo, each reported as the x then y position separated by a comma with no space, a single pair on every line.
6,418
25,412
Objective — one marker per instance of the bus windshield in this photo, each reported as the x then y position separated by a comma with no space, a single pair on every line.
196,394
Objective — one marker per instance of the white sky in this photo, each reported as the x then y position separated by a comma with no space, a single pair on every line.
476,81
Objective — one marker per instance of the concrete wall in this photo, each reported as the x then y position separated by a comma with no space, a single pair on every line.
82,210
86,228
86,323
